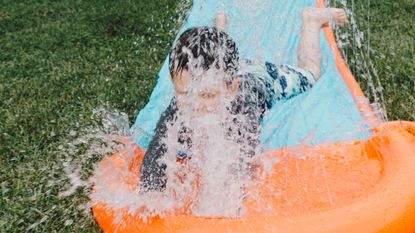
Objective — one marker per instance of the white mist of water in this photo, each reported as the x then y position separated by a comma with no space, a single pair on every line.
217,171
93,142
210,182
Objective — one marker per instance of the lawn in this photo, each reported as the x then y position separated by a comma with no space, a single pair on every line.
59,60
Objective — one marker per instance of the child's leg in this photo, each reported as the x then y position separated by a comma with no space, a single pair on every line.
221,21
309,53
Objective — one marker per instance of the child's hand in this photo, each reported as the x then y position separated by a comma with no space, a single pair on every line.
221,21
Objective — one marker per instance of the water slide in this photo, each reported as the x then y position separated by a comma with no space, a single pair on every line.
269,31
342,169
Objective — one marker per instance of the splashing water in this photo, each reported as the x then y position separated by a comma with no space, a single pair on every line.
78,157
92,143
216,167
214,175
356,49
213,182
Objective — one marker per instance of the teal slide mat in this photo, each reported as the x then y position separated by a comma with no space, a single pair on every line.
269,30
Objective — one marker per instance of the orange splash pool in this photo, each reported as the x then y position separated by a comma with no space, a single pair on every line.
344,187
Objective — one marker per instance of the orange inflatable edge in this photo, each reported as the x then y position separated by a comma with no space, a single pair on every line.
355,90
389,207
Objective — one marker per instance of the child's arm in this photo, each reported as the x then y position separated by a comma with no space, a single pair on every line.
153,177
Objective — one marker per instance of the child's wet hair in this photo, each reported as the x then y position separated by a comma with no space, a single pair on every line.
204,48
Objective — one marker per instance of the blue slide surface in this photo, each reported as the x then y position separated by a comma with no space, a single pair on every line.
269,30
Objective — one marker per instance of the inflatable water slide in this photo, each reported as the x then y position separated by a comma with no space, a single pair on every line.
341,169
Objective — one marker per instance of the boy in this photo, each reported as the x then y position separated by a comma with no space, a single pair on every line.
209,57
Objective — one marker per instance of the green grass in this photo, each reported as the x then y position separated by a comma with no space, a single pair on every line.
389,34
392,27
58,61
61,59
